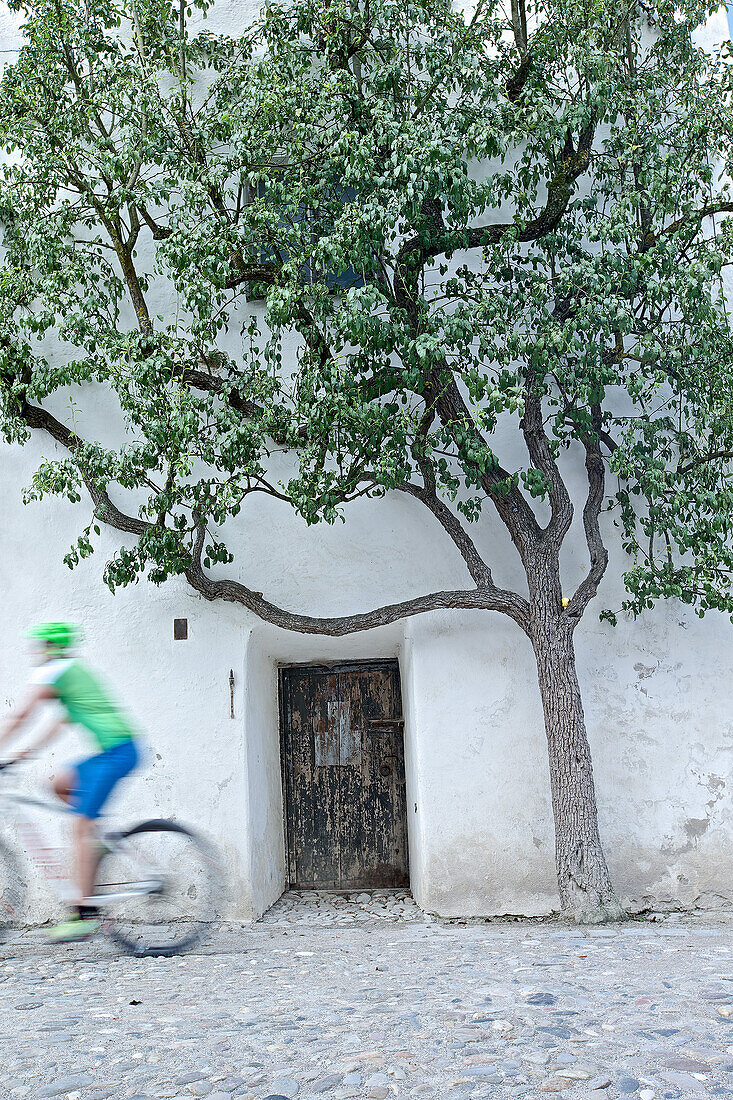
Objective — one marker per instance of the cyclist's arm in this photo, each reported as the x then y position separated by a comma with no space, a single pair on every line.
45,739
39,694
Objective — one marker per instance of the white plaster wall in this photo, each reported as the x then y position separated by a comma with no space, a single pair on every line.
264,786
414,743
481,783
658,696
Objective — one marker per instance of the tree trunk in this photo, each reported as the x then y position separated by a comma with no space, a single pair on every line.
586,892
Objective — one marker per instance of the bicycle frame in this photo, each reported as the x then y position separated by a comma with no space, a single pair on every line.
47,857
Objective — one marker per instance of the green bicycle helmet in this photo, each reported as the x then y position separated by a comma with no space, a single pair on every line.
57,635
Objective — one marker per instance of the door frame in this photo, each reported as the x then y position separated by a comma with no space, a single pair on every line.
360,665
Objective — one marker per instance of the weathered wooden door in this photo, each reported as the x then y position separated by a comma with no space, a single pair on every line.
344,775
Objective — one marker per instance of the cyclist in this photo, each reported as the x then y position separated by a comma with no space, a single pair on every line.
85,702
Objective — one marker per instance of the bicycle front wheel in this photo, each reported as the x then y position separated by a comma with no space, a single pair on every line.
12,890
159,886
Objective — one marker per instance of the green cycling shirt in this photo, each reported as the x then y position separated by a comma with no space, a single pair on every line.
86,701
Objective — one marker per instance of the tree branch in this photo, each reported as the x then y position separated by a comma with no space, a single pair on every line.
337,626
242,272
211,384
598,553
519,25
478,569
708,211
159,232
235,592
104,509
542,458
509,501
701,460
415,251
515,84
510,603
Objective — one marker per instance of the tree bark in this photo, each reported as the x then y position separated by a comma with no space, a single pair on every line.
586,892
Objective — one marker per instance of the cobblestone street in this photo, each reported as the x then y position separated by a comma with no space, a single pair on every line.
370,998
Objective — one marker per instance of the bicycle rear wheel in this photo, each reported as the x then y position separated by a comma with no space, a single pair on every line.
13,890
182,880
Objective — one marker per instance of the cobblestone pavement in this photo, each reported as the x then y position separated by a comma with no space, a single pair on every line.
369,998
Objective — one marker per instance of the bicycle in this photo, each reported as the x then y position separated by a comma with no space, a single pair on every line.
158,884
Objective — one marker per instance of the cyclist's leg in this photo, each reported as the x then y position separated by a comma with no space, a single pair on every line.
81,922
63,785
98,778
69,786
86,857
87,792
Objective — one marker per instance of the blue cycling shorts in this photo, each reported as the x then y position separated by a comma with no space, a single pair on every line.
97,777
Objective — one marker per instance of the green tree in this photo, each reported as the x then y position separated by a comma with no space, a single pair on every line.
484,229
